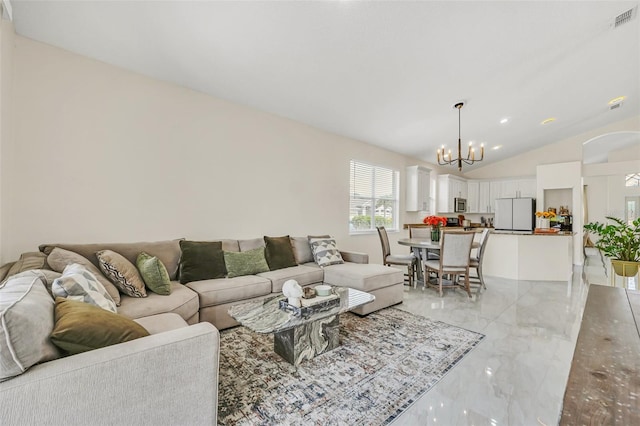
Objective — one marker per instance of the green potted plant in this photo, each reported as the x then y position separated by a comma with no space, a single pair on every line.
619,241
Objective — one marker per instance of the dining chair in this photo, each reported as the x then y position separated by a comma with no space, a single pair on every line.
476,261
454,259
388,259
423,232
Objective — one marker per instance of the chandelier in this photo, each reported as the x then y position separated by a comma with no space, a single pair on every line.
446,160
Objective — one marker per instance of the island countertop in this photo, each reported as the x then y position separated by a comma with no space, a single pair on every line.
542,234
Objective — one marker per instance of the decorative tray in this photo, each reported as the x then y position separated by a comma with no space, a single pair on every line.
306,311
546,230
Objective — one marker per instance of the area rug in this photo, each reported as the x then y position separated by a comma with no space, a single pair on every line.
386,361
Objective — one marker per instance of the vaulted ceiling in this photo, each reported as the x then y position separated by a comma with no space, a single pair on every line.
386,73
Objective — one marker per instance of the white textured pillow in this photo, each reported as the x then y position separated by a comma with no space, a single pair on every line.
325,251
26,321
77,283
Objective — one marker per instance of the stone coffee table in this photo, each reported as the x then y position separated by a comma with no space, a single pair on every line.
297,338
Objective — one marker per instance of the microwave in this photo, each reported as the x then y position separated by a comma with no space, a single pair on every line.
459,205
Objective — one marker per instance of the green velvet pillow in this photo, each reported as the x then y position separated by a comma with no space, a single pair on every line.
279,253
81,327
154,274
201,260
248,262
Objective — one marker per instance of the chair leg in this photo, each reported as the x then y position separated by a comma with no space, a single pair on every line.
440,280
466,284
479,270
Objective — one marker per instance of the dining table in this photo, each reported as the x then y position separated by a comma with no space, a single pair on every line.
421,248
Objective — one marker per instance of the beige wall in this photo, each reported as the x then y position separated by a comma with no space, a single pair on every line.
6,63
104,154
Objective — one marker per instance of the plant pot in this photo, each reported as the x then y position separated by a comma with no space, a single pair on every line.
625,268
435,234
544,223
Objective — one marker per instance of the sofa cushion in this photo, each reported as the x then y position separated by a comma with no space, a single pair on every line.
225,290
76,283
122,273
201,260
182,300
230,245
81,327
249,262
59,258
160,323
252,244
304,275
278,252
301,250
28,261
154,274
26,321
365,277
167,251
325,251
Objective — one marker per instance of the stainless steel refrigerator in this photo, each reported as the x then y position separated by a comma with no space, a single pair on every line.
515,214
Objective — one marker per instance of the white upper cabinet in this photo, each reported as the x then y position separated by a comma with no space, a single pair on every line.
450,187
418,183
473,196
518,188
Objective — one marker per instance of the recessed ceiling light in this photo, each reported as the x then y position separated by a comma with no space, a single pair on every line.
504,120
616,100
548,120
496,147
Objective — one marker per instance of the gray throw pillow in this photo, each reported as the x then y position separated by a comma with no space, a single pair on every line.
325,251
77,283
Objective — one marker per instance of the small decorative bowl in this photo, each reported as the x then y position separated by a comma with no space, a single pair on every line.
323,290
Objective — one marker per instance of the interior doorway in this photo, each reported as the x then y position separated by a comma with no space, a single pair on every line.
632,209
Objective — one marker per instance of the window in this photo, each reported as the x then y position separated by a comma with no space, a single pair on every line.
373,197
633,179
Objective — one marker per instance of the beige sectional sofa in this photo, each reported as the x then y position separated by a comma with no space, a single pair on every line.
139,382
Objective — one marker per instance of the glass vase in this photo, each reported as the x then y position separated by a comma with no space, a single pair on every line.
435,233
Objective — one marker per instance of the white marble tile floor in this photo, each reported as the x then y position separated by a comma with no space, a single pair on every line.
518,373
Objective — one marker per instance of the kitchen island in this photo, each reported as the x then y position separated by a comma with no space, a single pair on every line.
528,256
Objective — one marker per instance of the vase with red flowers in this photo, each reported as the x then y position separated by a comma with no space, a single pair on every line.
435,222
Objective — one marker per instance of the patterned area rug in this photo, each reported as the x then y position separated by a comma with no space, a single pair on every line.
386,361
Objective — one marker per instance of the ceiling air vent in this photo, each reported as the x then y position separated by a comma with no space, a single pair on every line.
615,106
625,17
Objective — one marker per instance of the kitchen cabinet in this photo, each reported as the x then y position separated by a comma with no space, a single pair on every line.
518,188
418,184
450,187
479,197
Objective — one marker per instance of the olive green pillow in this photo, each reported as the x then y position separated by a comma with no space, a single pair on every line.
81,327
248,262
201,260
154,274
279,253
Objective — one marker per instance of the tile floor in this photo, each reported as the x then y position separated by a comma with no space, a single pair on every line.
517,374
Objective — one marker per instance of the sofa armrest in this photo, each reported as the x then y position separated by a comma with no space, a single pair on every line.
162,379
354,257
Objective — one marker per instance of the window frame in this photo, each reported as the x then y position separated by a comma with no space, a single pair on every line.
373,200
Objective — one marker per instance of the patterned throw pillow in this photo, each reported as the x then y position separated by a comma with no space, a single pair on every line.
248,262
26,321
77,283
122,273
325,251
154,274
59,258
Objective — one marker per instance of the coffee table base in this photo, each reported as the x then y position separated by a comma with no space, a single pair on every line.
307,341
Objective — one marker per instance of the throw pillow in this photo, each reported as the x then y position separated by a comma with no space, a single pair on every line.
154,274
59,258
122,273
201,260
245,262
77,283
81,327
301,250
325,251
26,320
279,253
46,276
27,262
